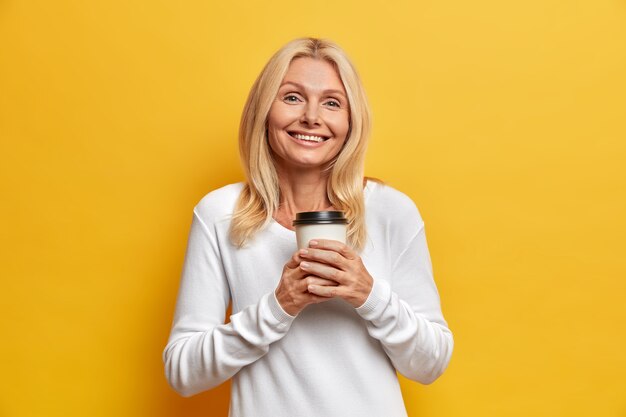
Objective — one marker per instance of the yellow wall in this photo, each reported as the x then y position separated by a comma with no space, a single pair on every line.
504,121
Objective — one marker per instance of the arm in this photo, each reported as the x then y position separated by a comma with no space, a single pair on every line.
202,351
406,315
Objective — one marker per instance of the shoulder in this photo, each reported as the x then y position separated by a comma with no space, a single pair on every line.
384,201
219,204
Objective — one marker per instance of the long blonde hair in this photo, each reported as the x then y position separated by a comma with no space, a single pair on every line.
260,196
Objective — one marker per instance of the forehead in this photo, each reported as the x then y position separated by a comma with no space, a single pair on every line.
315,74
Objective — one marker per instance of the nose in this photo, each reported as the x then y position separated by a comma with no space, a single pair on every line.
310,114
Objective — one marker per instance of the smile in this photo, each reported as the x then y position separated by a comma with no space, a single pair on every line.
308,138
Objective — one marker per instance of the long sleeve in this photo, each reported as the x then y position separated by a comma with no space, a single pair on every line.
202,351
405,315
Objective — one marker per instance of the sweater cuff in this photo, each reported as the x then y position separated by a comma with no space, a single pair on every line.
376,301
277,311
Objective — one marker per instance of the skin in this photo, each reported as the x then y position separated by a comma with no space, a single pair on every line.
312,101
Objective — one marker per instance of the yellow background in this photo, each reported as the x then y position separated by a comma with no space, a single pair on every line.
504,121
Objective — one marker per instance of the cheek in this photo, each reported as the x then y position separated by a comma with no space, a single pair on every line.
273,118
272,141
274,124
340,125
281,115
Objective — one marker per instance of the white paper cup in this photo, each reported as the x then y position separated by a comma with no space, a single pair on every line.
320,225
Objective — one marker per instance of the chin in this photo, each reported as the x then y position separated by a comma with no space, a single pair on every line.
307,164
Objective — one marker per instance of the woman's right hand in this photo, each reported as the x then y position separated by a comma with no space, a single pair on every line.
292,291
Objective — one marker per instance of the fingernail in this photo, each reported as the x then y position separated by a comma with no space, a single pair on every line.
313,243
311,288
303,251
304,264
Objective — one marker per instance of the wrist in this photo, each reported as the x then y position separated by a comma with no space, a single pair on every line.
364,294
287,306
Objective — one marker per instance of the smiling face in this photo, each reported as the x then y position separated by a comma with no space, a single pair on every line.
310,117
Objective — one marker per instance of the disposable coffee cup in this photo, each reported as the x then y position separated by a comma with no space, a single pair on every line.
320,225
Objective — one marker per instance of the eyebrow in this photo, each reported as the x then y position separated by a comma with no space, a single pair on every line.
324,92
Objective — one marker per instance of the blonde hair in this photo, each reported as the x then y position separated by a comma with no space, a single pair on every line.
260,196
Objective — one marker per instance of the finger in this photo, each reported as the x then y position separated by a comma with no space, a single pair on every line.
294,261
326,291
323,271
329,257
313,280
334,245
315,299
297,274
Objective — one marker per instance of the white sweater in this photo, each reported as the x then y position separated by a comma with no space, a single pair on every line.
329,360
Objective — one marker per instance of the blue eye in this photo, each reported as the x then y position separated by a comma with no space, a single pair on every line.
333,103
291,98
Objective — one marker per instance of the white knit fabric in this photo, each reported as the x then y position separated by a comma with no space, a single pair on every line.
331,359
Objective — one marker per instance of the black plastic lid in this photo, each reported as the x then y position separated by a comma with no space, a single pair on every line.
320,217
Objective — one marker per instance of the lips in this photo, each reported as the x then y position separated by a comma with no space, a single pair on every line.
308,137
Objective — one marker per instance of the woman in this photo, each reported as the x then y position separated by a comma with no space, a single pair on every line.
320,331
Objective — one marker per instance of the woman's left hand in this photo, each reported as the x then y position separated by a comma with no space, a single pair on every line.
336,261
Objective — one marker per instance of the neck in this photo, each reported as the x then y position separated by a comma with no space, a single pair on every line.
302,191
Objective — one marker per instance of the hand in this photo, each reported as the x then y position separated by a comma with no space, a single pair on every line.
292,293
335,261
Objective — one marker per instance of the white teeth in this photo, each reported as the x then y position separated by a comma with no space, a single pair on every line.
307,137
